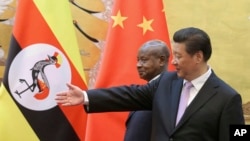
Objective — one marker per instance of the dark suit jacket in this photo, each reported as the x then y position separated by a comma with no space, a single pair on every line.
138,126
207,118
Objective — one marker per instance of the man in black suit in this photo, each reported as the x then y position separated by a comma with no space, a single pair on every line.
152,60
212,104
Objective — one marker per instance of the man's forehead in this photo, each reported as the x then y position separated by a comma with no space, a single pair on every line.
153,44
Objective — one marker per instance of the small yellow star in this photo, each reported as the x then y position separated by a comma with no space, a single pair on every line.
146,25
118,19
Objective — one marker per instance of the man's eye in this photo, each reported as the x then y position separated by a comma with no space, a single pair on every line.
142,61
177,57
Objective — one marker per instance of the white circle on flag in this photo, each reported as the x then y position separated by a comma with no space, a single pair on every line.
34,79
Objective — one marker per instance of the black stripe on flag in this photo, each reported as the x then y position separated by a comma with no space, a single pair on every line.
49,125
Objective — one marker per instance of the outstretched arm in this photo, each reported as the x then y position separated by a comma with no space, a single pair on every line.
74,96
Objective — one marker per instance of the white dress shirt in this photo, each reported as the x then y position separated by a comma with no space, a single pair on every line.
197,84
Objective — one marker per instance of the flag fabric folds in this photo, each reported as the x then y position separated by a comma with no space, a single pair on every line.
132,24
43,57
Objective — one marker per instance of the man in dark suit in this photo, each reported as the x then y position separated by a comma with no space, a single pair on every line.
212,104
152,59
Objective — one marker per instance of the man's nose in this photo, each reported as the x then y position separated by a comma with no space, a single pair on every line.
173,61
138,64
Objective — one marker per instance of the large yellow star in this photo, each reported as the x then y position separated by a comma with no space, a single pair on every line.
118,19
146,25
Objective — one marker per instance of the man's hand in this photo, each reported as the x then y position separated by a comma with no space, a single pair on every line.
73,96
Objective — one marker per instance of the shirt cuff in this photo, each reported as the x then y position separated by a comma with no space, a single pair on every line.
86,98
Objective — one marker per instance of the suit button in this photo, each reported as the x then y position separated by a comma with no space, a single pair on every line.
171,139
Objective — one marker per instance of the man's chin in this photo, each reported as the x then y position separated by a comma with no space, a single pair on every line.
141,76
179,74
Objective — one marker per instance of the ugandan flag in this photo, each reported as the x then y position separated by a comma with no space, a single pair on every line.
133,22
43,57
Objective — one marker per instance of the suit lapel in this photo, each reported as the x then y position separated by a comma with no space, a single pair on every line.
206,92
175,97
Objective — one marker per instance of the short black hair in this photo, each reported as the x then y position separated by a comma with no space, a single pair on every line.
195,40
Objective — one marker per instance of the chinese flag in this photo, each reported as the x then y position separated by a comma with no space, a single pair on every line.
43,57
133,22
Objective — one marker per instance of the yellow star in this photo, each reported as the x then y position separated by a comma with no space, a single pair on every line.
146,25
118,19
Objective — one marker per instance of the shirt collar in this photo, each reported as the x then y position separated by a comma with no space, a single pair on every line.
199,82
154,78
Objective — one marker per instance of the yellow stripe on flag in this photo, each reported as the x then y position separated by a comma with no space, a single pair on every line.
8,110
67,36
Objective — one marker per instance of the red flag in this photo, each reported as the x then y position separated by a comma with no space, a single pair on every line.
132,24
43,57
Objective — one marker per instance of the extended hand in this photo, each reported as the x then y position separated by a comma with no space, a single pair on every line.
73,96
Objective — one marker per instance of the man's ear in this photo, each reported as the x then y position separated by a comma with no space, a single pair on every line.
199,56
162,60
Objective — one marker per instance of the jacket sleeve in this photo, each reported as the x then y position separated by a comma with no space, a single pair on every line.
232,114
122,98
